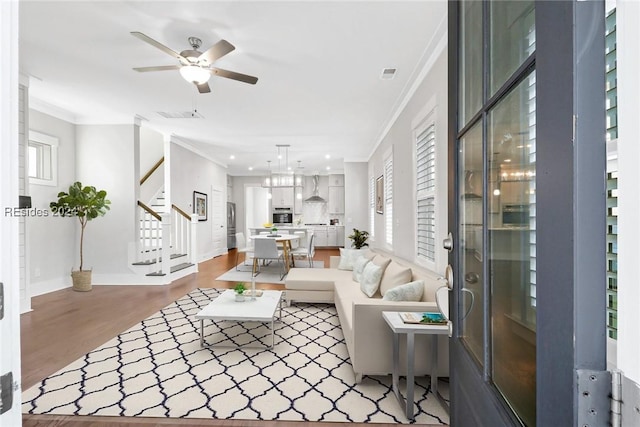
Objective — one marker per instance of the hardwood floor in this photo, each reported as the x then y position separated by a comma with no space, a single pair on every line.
65,325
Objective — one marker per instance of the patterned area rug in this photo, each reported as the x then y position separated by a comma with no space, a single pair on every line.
268,273
158,369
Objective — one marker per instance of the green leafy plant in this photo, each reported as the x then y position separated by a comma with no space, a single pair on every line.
85,203
359,238
239,288
274,229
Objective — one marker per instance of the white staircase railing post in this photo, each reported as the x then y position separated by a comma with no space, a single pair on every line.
166,243
193,249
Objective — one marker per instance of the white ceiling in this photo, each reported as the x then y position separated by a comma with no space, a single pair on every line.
318,64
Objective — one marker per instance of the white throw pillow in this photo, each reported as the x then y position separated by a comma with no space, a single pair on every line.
408,292
370,280
394,275
348,258
358,268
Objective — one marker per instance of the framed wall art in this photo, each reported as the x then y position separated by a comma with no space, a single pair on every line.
200,205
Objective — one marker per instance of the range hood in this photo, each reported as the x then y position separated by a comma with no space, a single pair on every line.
315,198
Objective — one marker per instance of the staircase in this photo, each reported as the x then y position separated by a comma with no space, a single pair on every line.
164,235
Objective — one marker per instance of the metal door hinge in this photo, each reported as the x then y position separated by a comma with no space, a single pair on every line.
594,391
625,401
6,392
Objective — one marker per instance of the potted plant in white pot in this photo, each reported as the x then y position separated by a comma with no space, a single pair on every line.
85,203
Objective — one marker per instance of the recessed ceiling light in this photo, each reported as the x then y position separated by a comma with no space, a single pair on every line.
250,168
232,157
327,156
328,167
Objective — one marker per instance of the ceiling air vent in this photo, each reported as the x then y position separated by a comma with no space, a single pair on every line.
181,114
388,73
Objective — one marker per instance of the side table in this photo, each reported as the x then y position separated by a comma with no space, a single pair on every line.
398,327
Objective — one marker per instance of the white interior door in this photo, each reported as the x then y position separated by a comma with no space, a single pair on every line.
218,224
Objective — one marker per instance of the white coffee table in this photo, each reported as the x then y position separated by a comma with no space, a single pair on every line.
225,307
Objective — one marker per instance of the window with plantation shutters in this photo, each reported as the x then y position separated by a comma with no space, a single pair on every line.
388,200
426,194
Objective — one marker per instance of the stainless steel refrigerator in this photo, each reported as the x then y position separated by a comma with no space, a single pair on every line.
231,225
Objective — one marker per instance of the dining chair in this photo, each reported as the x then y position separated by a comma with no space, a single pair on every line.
302,241
241,242
266,249
307,252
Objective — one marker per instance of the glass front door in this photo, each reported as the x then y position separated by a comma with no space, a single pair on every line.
512,301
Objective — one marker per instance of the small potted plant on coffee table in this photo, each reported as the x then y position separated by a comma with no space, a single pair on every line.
239,289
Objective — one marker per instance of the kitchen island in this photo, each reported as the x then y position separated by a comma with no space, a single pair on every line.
326,235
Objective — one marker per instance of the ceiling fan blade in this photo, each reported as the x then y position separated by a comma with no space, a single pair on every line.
158,68
157,44
235,76
217,51
203,88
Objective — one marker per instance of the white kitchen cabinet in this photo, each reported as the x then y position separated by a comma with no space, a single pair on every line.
297,201
336,200
320,234
336,180
282,197
514,192
332,237
340,235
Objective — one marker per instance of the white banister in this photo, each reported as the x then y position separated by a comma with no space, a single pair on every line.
162,235
166,243
193,252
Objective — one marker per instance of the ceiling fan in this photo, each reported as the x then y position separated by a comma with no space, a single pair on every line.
195,66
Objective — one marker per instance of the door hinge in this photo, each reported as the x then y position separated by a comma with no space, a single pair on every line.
6,392
594,391
625,401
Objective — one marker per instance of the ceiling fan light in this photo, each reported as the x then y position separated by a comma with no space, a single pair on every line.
195,74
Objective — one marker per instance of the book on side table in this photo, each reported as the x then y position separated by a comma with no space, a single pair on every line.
426,318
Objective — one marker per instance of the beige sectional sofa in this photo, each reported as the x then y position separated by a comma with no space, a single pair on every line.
368,337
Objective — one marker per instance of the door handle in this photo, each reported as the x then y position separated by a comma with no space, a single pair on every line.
447,243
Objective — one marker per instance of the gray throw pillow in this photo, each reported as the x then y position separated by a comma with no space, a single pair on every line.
358,268
370,280
348,257
408,292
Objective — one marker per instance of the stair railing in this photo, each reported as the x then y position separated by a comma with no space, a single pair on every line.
152,170
150,234
183,233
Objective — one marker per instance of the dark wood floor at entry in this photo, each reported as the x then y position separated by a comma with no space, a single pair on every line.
65,325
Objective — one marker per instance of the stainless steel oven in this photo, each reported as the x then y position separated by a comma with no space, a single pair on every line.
515,215
282,216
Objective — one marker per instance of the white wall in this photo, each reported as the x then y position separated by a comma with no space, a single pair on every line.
257,208
151,150
106,157
239,185
191,172
432,91
356,204
52,241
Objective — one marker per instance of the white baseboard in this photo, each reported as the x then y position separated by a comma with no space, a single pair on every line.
51,285
129,279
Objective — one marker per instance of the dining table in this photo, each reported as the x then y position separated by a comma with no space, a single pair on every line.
286,240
